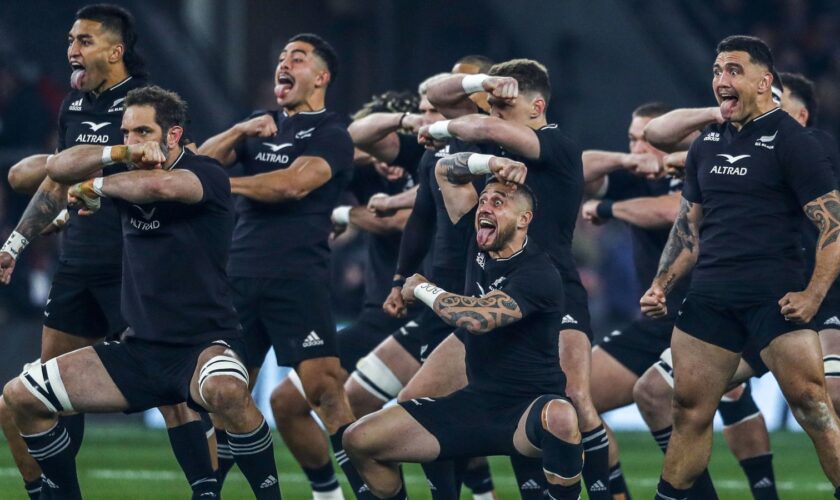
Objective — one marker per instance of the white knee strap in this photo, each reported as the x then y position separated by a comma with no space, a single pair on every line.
219,366
665,367
376,378
831,364
44,382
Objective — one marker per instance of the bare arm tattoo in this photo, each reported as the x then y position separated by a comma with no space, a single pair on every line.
478,314
825,213
683,242
457,171
44,206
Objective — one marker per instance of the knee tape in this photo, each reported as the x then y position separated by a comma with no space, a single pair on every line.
665,367
375,376
560,458
44,382
735,411
219,366
831,364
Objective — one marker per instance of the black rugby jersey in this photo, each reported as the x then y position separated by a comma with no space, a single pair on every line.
289,239
648,243
85,118
175,289
752,185
556,179
520,359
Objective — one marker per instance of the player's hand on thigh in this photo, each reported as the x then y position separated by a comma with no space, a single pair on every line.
799,307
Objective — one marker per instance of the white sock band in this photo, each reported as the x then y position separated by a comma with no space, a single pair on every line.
479,164
427,293
474,83
440,130
341,215
106,156
14,244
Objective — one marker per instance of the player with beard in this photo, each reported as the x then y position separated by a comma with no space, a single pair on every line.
746,208
517,128
183,335
292,413
508,328
84,302
297,161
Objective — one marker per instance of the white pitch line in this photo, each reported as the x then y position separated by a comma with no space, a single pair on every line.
171,475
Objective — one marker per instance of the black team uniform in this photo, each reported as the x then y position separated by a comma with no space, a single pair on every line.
279,259
752,184
507,368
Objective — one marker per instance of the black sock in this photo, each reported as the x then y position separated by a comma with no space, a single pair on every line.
441,477
759,471
322,478
529,476
703,488
33,489
664,491
617,484
596,465
55,454
75,425
224,456
254,454
837,493
478,479
560,492
360,489
662,437
189,443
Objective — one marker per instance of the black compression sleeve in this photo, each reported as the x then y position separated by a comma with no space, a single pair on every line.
418,233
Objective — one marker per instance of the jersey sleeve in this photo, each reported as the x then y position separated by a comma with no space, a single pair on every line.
215,182
410,153
333,145
690,187
623,185
62,125
530,298
558,152
419,230
806,166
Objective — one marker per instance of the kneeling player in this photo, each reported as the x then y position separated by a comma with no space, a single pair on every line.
514,402
177,223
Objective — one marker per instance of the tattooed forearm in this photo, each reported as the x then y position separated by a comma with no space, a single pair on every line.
825,213
456,169
683,240
478,314
44,206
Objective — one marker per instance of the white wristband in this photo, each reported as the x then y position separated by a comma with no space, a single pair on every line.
474,83
341,215
15,244
97,187
106,156
427,293
440,130
479,164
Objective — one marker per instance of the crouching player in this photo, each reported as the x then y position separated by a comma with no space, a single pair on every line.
181,344
514,402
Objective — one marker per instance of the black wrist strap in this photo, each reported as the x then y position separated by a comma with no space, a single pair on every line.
604,210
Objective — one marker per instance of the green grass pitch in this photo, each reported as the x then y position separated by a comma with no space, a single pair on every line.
131,462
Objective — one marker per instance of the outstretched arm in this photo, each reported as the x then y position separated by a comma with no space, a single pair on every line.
477,315
451,96
514,137
143,186
675,130
376,134
304,175
648,212
598,164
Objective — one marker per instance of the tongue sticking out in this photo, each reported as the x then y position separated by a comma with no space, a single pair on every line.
727,107
281,90
76,79
484,235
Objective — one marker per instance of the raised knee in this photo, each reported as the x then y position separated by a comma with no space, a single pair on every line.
225,393
355,439
560,419
651,394
20,400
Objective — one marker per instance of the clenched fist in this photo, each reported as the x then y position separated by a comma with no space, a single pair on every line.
260,126
507,170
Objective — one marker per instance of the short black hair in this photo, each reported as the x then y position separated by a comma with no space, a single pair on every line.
483,62
391,101
322,49
801,88
531,75
120,22
522,189
170,108
652,109
759,52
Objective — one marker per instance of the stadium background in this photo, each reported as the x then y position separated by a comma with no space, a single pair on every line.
605,57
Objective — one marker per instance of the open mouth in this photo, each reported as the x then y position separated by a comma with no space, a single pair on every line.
486,232
77,76
728,101
283,85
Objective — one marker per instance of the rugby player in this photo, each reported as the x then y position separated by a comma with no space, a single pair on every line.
297,162
84,301
517,127
183,335
508,329
739,227
291,411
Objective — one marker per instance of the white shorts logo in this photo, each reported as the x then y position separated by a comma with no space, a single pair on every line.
569,319
312,340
